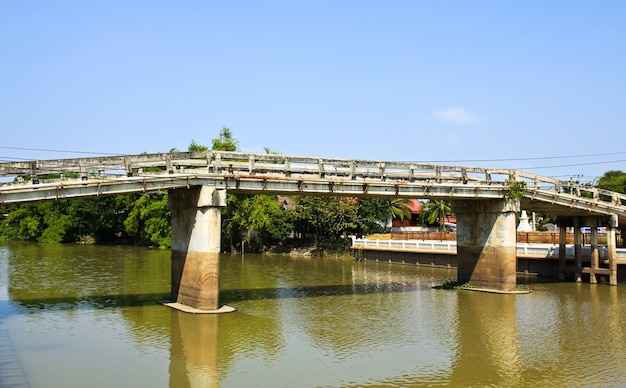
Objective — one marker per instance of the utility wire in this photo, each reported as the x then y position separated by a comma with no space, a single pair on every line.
430,161
61,151
572,165
525,159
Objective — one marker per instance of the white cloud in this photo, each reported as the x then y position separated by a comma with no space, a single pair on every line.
456,115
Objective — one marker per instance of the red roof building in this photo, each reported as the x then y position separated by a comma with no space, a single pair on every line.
416,207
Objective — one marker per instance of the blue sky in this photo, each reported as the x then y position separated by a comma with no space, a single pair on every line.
510,84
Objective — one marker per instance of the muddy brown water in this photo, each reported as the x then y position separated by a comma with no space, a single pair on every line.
86,316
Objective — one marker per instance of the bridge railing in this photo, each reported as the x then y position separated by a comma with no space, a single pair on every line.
523,249
240,164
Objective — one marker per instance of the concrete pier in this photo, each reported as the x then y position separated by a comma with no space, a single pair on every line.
196,227
486,243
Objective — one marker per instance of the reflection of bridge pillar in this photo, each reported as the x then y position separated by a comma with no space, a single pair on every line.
193,351
196,227
486,243
487,349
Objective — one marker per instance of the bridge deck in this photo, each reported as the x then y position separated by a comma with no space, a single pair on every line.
280,174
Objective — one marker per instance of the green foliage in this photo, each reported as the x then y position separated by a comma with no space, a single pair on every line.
256,220
149,220
326,216
66,220
614,180
225,141
514,190
25,222
435,211
375,213
335,217
196,147
98,217
58,230
400,209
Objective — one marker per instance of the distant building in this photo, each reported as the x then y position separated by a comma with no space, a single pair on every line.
415,207
413,222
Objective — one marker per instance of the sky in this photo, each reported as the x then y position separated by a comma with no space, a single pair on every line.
533,85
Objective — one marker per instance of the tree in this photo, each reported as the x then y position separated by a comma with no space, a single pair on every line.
435,211
614,180
149,220
256,220
400,209
225,141
374,214
23,223
325,216
193,147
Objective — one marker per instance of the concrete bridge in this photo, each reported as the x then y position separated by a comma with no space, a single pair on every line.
197,183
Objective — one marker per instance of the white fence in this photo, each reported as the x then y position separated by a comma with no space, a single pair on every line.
523,249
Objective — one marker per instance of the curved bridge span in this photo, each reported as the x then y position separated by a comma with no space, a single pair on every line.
199,180
279,174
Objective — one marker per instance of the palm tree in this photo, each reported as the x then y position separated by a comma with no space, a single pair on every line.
400,209
436,210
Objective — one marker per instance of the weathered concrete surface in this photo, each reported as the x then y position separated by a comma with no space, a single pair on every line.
196,226
486,243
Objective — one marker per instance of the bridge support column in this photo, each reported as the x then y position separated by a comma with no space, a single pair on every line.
196,227
486,243
611,244
595,254
578,252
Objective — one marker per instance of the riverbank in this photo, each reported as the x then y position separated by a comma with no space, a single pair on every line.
309,247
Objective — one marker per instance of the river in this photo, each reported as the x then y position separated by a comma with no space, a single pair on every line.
86,316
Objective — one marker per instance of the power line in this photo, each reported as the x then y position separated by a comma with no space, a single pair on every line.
429,161
60,151
572,165
432,161
525,159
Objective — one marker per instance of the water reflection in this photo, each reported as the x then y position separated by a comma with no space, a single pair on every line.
80,314
194,350
487,351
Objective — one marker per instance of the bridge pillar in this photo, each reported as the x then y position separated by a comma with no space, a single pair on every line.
611,243
578,252
486,243
196,227
592,222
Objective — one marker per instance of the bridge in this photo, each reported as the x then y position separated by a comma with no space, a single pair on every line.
197,183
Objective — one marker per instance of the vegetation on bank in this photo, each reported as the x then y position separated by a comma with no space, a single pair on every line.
254,223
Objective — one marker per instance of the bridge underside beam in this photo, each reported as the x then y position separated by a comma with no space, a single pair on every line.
252,184
196,227
486,243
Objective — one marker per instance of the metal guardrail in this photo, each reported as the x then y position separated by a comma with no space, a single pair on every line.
523,249
459,180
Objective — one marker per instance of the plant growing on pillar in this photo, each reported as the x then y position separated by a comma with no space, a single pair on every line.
514,190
